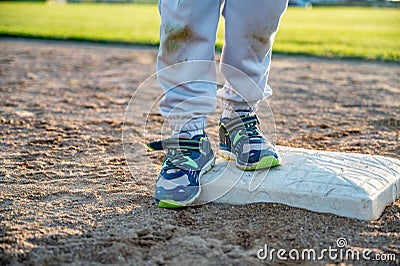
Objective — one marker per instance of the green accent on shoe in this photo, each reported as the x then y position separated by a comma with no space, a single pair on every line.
169,204
150,147
264,163
191,162
237,137
201,140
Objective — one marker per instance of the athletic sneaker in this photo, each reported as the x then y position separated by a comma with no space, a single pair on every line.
242,140
178,183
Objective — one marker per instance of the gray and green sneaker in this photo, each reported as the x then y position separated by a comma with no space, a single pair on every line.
242,140
178,183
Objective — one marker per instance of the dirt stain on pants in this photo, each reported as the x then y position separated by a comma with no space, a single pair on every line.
176,37
261,41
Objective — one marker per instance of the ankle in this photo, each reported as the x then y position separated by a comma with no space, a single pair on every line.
236,109
231,114
188,134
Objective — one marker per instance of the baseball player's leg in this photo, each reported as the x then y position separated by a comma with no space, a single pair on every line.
187,33
250,28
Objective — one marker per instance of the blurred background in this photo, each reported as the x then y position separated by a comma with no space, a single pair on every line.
362,29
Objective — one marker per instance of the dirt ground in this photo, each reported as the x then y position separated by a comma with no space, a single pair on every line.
68,196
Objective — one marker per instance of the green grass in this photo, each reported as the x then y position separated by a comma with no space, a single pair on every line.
98,22
367,33
341,32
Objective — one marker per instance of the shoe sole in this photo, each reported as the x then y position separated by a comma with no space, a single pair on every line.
172,204
264,163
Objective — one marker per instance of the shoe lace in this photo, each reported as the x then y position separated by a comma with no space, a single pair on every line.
247,127
252,130
176,158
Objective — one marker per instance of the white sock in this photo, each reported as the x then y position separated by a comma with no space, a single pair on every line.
187,134
230,113
236,109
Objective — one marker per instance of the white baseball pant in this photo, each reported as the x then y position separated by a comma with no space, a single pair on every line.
188,33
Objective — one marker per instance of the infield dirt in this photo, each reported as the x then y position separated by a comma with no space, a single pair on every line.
68,196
